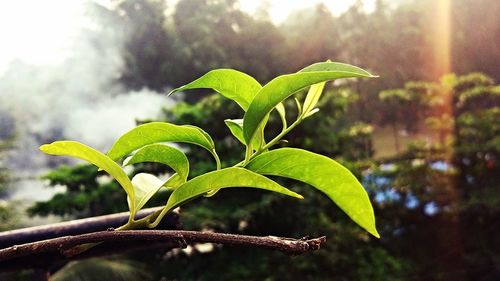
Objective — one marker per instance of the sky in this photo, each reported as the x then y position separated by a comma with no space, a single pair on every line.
36,32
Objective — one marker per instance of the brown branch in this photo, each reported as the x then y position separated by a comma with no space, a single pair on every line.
175,238
44,247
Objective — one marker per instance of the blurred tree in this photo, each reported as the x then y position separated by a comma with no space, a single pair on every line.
8,215
315,37
447,192
407,106
214,34
151,54
87,194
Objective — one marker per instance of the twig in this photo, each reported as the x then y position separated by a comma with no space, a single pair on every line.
178,238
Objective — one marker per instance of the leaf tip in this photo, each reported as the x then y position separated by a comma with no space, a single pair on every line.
44,148
375,233
173,91
298,196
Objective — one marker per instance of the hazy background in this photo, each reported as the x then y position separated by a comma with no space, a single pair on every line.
427,151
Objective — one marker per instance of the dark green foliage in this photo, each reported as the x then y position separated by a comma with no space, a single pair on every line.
85,196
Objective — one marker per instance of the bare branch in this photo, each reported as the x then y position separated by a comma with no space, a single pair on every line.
175,238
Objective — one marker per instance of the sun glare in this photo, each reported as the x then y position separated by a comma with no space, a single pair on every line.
35,32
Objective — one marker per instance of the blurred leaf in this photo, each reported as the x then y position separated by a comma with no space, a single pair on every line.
325,174
232,84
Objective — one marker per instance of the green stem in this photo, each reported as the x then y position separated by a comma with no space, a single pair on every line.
271,143
160,216
217,159
248,153
280,136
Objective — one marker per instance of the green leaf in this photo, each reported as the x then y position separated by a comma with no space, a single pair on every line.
284,86
174,181
145,186
236,128
299,106
229,177
164,154
155,132
335,66
81,151
312,97
280,108
232,84
323,173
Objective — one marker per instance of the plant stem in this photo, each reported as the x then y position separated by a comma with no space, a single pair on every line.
157,220
217,159
248,154
271,143
281,135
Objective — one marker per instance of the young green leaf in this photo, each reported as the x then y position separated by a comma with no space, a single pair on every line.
156,132
232,84
280,108
299,106
284,86
164,154
312,97
229,177
145,186
236,128
81,151
323,173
